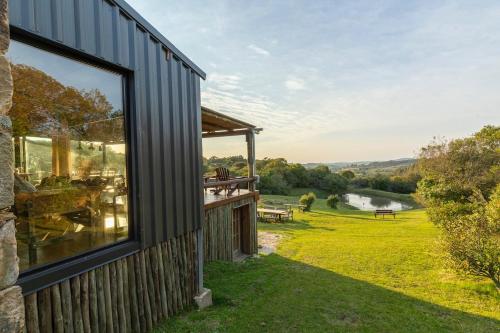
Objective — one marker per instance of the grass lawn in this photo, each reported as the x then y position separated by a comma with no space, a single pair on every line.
344,271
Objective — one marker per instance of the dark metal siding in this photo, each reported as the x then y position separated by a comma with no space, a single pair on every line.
165,102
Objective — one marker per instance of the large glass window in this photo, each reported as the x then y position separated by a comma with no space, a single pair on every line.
69,156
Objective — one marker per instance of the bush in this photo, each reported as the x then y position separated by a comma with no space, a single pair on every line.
460,188
332,201
347,174
307,200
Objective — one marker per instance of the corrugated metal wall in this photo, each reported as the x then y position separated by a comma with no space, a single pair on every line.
165,95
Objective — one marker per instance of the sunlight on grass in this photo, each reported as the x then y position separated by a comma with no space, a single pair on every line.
343,270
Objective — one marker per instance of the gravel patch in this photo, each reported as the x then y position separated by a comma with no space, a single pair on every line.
268,242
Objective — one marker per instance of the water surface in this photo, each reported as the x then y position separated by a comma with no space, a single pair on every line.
369,202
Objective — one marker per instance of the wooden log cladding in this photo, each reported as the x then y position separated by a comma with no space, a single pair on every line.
67,306
76,305
114,296
101,299
162,281
126,295
218,230
93,304
131,294
45,310
58,321
31,312
134,308
84,284
108,309
140,293
122,317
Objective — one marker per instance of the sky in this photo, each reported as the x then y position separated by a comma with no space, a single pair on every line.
334,81
68,72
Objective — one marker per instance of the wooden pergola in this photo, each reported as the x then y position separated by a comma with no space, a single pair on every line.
216,125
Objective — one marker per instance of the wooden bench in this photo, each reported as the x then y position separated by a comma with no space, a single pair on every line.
384,212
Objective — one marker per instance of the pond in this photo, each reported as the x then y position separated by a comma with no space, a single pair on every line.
368,202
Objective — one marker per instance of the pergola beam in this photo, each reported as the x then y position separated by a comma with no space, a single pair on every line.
225,133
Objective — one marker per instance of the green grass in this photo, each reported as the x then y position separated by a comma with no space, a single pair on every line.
298,191
344,271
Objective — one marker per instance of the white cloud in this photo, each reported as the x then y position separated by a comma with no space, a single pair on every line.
295,84
224,81
258,50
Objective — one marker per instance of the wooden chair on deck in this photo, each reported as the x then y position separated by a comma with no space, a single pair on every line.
222,175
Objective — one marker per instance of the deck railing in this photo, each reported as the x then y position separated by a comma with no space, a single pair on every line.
217,183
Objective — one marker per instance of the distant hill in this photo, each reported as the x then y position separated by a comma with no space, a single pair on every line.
366,167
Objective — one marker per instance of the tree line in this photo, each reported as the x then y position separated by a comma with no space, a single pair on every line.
278,176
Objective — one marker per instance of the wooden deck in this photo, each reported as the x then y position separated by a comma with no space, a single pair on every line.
213,200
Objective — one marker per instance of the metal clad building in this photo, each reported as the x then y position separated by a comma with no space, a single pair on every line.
163,94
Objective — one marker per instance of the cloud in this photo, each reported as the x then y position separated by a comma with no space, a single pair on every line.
258,50
224,81
230,94
295,84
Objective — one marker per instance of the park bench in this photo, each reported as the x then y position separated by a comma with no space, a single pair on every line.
384,212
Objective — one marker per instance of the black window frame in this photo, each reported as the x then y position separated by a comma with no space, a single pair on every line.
39,277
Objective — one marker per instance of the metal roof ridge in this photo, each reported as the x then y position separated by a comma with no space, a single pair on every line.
129,10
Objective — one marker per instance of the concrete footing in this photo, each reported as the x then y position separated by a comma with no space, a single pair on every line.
204,299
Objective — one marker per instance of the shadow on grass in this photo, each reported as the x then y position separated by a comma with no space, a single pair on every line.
275,294
296,224
356,215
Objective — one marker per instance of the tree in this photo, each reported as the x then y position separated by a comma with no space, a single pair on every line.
347,174
380,182
333,183
296,175
460,188
41,106
307,200
332,201
273,183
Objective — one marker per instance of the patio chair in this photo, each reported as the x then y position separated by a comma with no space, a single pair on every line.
222,175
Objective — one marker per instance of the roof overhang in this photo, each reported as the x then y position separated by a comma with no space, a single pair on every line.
215,124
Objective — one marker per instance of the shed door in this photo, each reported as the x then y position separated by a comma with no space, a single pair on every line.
236,231
241,230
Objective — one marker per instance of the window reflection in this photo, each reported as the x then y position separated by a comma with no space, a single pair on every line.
69,155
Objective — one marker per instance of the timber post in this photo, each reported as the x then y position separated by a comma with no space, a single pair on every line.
250,138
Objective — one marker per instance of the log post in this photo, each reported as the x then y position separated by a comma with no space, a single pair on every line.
93,305
45,310
32,313
126,295
57,309
84,284
75,300
122,319
250,138
162,280
132,282
107,297
67,306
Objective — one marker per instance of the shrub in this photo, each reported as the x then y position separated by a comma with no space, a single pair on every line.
307,200
347,174
332,201
460,187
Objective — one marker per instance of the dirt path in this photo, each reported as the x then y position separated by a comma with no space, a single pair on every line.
268,242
